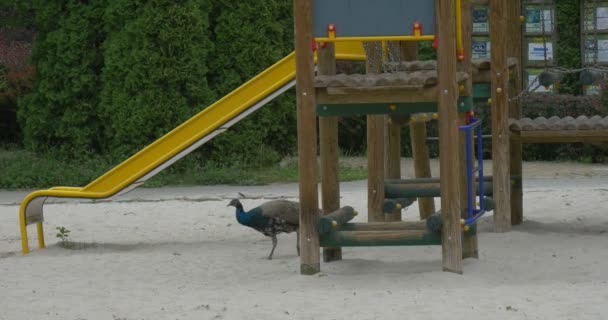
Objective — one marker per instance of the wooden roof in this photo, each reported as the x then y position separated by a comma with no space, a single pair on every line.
559,124
478,64
422,78
406,73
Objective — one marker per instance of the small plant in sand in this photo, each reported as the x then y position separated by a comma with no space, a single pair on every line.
64,234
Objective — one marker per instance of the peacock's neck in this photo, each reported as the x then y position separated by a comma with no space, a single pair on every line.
242,217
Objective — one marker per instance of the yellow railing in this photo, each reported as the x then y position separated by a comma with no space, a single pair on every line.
377,38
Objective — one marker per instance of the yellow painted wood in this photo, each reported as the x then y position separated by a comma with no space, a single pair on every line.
377,38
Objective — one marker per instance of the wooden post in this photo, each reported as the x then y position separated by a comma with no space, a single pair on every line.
448,137
500,115
375,167
514,50
418,140
422,164
375,149
393,160
328,140
469,242
307,138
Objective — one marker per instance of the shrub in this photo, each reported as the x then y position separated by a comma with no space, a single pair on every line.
250,36
154,75
16,73
61,112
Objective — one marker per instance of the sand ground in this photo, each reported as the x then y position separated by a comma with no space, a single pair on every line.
178,253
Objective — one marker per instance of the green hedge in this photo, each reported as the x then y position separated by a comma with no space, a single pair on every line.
249,37
114,75
154,74
61,114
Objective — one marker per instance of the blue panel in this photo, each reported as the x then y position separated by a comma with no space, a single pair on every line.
373,17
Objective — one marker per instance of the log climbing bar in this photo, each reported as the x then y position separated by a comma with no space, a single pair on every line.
395,205
377,234
427,190
335,219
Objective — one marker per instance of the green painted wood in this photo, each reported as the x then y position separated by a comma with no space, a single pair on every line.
488,203
379,226
389,206
434,222
423,180
482,91
340,238
515,180
465,104
329,110
349,239
411,191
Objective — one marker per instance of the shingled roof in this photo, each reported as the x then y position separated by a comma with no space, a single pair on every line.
423,78
559,124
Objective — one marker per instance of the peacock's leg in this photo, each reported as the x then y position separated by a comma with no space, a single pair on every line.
274,245
298,242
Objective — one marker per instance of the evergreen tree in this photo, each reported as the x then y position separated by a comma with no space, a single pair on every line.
61,112
250,36
155,70
568,49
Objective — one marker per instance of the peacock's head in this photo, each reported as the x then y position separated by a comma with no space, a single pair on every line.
235,203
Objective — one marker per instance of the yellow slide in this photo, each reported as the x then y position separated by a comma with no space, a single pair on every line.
176,144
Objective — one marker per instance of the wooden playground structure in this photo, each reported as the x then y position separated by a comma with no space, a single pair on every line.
397,90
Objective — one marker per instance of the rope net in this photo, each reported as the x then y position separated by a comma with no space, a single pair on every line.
382,56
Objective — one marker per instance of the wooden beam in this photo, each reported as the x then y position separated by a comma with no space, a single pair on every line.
393,151
328,141
386,226
516,86
418,140
394,191
393,160
375,167
516,168
376,238
469,242
424,180
448,137
375,148
397,94
422,167
500,115
408,52
307,139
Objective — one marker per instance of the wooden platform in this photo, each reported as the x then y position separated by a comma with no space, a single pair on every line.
560,130
397,87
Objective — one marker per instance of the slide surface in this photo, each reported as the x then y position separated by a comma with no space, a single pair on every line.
182,140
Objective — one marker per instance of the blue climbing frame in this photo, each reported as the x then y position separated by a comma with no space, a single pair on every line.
474,127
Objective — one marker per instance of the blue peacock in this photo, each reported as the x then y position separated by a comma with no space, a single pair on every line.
271,218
